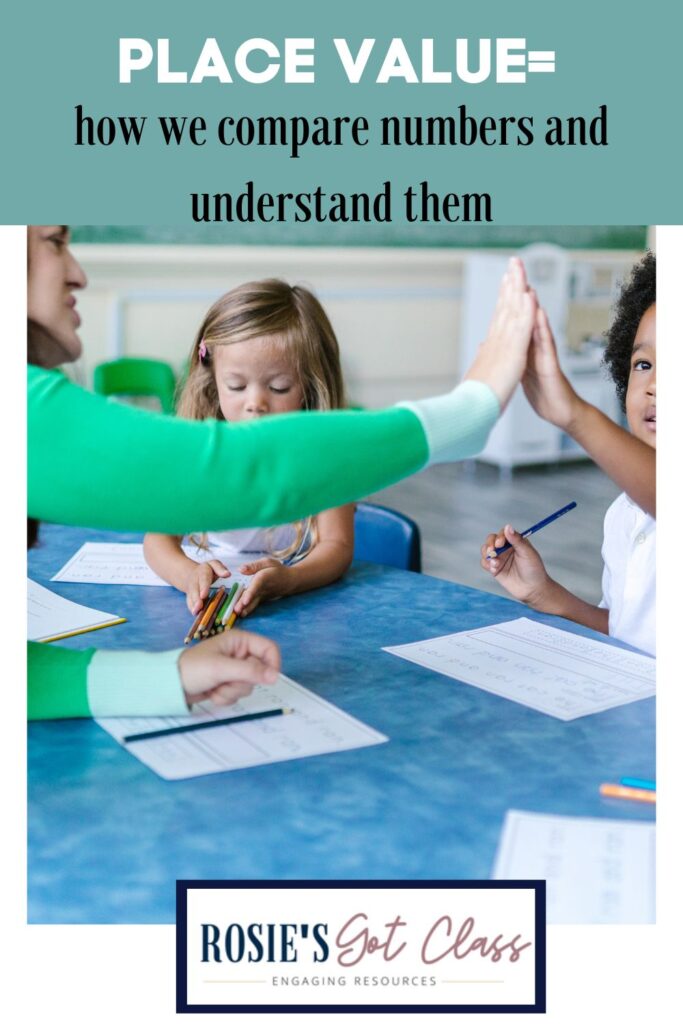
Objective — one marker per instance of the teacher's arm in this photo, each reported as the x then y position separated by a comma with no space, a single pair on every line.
99,464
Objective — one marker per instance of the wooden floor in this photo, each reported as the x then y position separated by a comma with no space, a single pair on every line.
455,507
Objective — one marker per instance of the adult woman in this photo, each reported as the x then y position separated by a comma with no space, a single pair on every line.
92,463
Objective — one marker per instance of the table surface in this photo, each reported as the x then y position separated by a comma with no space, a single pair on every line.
108,838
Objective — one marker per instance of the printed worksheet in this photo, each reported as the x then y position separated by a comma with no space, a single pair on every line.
314,726
598,871
51,617
125,564
543,667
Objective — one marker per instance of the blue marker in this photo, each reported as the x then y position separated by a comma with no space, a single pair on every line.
537,526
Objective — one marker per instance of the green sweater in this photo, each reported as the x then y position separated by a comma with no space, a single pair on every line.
99,464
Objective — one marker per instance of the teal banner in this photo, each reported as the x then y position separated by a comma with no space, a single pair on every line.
430,123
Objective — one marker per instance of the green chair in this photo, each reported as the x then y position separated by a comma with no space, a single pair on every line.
149,377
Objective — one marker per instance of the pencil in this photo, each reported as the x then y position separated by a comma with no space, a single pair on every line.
214,723
209,608
224,612
216,628
611,789
536,527
229,617
212,617
195,626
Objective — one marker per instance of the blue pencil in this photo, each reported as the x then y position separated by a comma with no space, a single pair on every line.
638,783
537,526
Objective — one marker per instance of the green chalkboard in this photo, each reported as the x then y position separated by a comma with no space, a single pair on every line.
394,235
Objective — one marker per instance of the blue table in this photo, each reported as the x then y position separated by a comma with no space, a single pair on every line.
108,838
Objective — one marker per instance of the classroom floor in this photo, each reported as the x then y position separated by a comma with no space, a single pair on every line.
455,507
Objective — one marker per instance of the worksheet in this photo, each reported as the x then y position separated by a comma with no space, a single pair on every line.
598,871
51,617
314,726
125,563
543,667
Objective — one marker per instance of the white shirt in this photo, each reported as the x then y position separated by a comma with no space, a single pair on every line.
629,575
256,542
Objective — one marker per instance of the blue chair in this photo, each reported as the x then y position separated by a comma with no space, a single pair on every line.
386,537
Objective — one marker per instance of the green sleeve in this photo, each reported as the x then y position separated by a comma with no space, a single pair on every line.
101,464
76,684
57,682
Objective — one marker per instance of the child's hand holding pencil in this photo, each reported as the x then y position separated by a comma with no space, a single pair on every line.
519,569
517,565
199,580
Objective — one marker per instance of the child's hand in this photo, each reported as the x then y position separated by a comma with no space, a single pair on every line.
502,356
228,666
198,582
545,386
520,569
270,579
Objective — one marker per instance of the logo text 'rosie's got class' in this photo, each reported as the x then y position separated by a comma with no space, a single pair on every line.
356,939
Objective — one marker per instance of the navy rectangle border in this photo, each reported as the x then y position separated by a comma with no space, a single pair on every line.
182,887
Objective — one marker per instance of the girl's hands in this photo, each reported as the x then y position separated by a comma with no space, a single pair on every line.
501,357
520,570
270,580
545,386
228,666
198,582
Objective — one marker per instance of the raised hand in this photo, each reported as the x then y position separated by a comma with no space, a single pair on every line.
502,357
545,385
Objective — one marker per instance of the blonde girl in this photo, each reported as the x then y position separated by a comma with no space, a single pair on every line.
263,348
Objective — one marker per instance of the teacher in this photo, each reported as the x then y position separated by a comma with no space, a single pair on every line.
98,464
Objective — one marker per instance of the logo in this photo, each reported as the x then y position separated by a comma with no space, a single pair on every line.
367,946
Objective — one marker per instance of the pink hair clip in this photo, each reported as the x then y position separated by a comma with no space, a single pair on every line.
202,351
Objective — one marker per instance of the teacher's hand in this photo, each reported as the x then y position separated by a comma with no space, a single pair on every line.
228,666
501,358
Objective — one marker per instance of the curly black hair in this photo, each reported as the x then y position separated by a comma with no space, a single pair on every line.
638,293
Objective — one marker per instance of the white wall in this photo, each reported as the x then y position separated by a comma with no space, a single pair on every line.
396,312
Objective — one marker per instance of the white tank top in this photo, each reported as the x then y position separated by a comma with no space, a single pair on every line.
252,540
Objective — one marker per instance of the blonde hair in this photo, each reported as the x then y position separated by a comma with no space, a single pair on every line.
293,319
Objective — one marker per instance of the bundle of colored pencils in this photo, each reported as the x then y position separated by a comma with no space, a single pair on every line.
217,614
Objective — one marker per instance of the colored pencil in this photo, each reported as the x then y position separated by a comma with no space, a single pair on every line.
627,780
216,628
224,615
628,793
195,626
213,724
229,617
536,527
209,609
212,617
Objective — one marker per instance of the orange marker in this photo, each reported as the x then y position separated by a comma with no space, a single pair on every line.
628,793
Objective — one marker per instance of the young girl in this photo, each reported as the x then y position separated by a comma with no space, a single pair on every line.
263,348
627,609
